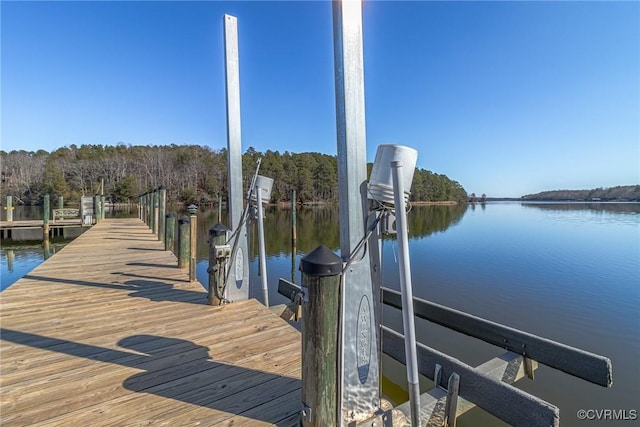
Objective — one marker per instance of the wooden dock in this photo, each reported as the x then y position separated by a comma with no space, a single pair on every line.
110,332
38,223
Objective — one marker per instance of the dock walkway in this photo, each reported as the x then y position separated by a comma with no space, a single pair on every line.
110,332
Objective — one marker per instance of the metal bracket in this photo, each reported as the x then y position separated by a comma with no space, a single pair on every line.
297,300
380,419
306,412
437,375
529,367
222,251
451,405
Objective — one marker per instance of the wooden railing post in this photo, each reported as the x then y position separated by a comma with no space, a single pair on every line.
45,218
183,242
102,207
321,273
219,252
162,211
169,232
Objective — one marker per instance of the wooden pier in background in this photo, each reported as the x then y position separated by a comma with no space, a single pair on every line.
110,331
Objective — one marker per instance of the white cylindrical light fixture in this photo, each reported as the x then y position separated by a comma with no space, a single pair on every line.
381,182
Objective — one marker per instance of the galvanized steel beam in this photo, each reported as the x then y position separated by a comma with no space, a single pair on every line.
360,382
238,281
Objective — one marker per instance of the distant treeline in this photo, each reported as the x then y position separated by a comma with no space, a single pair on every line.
191,174
620,193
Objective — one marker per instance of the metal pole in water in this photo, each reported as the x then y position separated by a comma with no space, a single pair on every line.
407,293
294,236
261,249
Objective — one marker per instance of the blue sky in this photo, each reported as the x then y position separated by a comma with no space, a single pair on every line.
508,98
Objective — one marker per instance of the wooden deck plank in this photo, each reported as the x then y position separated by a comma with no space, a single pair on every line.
109,331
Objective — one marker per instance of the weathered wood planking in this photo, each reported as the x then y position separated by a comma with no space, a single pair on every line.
110,332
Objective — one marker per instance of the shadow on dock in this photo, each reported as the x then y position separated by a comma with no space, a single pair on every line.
152,290
181,370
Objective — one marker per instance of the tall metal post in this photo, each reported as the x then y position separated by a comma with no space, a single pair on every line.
360,338
238,279
162,211
406,287
294,236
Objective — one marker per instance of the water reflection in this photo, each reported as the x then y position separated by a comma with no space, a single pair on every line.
621,208
318,225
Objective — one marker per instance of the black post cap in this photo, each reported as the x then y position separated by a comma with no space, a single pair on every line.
218,229
170,215
321,262
184,220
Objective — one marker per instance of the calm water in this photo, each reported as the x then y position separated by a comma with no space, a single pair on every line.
568,272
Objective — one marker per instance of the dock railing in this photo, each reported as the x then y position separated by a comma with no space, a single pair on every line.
459,387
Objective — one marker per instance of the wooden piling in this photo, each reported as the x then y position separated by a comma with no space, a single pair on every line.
9,208
103,210
149,208
60,202
45,218
162,211
183,242
169,232
217,262
96,208
321,273
193,239
153,223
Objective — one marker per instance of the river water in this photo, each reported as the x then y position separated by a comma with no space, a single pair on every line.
568,272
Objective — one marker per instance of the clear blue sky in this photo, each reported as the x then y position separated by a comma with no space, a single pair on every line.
507,98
